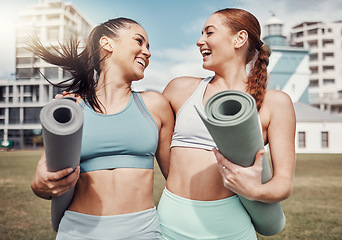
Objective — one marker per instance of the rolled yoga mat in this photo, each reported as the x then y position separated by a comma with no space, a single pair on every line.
232,120
62,124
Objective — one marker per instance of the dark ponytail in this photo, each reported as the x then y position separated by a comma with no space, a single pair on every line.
84,67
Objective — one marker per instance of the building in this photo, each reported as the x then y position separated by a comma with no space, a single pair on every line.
324,40
22,99
289,66
317,131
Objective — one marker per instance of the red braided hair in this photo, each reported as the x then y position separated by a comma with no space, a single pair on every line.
237,20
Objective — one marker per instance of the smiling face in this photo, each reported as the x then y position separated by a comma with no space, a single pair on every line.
130,52
216,43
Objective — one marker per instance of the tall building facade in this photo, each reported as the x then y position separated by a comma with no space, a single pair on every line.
22,99
324,41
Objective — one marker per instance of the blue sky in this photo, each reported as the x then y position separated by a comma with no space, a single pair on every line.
173,27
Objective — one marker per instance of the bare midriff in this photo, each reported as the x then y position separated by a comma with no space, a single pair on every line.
194,175
113,192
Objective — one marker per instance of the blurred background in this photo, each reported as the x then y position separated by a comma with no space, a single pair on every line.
306,62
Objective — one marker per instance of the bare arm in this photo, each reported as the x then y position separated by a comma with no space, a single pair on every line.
165,135
161,111
281,137
47,184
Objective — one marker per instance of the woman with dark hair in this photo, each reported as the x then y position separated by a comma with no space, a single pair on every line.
200,201
123,131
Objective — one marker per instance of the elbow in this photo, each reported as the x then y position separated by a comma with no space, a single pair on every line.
287,192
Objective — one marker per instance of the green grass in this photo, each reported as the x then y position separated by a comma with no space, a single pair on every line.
314,211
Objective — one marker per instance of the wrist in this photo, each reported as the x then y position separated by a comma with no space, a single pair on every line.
40,193
258,194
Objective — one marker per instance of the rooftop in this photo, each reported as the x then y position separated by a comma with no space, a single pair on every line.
307,113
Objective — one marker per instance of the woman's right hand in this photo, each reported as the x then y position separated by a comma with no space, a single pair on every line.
53,184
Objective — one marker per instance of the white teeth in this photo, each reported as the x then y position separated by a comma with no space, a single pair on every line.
141,61
206,52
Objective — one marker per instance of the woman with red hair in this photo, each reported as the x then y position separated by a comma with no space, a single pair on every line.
200,201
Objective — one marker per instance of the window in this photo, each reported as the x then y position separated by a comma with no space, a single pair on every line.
2,116
328,55
24,73
2,94
313,44
31,115
36,73
51,73
328,81
14,116
301,140
329,68
313,83
313,31
299,34
325,139
328,42
314,69
313,56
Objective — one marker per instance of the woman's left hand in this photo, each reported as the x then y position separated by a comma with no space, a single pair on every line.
244,181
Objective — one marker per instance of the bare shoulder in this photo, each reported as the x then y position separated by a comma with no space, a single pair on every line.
278,104
158,106
179,90
276,98
154,100
182,84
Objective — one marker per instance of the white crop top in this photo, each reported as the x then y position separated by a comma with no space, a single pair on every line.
190,130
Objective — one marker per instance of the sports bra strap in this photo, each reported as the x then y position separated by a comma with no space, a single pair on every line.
144,111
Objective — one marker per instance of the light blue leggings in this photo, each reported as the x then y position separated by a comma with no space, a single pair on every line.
142,225
185,219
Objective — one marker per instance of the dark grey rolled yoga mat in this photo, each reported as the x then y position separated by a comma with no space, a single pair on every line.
232,119
62,124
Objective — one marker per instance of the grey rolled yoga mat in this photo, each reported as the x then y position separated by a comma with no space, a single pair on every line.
232,119
62,124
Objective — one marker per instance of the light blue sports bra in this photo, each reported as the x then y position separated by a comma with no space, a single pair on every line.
127,139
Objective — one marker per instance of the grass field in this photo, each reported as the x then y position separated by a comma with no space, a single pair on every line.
314,211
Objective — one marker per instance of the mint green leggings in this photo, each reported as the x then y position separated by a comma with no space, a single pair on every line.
185,219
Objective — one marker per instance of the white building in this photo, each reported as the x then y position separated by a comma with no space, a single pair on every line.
317,131
21,100
324,40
